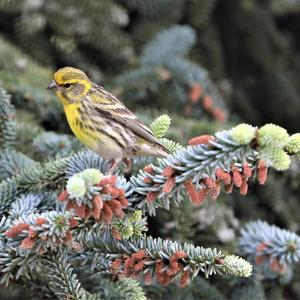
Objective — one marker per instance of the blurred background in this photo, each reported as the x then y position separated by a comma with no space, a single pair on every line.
209,64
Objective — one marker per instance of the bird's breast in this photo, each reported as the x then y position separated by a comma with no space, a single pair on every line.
78,125
97,134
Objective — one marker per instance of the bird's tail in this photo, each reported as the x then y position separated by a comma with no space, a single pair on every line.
161,150
156,149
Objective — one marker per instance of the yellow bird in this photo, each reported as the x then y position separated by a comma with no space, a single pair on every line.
101,121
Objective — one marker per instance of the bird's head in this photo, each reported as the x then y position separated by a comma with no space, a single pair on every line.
70,84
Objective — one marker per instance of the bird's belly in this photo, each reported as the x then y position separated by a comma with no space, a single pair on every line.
108,149
108,140
98,142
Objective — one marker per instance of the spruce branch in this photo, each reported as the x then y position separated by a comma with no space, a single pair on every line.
86,160
27,128
160,126
92,195
164,60
226,158
165,259
50,231
14,266
7,121
8,192
229,157
63,281
25,205
13,163
175,42
24,244
123,289
132,225
170,145
50,144
41,232
49,175
269,247
193,167
136,82
25,80
33,179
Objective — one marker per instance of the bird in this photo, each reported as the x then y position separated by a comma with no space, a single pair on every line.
101,121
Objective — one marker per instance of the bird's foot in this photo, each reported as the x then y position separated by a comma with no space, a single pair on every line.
113,164
128,164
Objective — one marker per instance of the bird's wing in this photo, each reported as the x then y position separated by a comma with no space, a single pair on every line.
110,107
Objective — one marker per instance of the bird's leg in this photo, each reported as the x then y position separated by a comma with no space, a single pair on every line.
113,165
128,164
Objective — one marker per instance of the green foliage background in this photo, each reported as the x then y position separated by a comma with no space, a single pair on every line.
244,53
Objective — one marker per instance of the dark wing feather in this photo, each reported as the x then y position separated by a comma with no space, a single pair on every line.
133,124
122,115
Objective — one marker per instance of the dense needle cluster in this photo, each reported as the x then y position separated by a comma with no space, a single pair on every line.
237,176
269,247
165,271
91,195
42,232
243,153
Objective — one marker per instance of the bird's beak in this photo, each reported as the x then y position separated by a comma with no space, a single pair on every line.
52,85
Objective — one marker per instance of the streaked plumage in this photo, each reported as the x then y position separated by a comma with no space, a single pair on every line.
100,120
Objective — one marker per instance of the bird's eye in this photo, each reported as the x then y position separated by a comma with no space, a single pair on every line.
67,85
